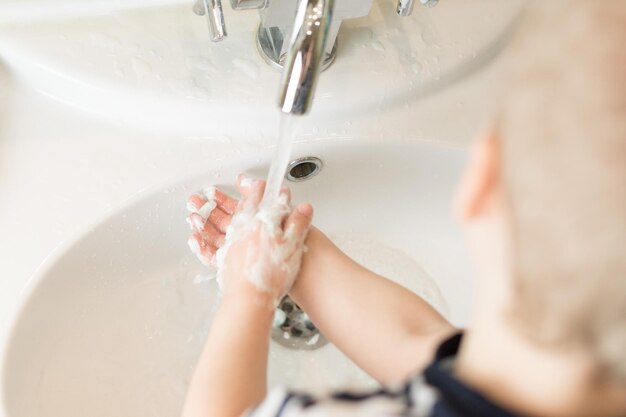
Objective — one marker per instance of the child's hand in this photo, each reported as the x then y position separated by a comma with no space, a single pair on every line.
211,213
257,250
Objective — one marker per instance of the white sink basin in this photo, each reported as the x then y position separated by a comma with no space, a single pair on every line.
112,326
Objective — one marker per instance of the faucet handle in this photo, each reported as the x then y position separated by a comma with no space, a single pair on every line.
214,16
247,4
405,7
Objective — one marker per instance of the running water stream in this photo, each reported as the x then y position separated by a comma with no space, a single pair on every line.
286,133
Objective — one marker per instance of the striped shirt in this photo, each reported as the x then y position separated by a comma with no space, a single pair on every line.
434,393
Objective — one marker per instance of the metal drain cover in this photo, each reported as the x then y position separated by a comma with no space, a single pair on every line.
294,329
303,169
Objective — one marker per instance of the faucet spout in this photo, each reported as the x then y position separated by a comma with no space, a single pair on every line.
305,55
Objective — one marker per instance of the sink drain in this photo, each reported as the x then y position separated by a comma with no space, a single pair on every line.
292,327
303,169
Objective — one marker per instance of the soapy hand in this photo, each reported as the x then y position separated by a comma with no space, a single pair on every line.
257,249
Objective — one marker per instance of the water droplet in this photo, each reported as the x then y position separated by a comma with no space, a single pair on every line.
101,40
429,38
416,67
200,63
378,46
247,66
141,68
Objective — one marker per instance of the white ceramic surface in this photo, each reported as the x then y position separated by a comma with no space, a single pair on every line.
113,323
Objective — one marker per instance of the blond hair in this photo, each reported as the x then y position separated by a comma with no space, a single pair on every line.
562,126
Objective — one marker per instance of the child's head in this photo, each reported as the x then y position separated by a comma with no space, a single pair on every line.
555,167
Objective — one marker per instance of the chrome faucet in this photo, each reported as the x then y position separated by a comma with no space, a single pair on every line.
405,7
306,57
304,45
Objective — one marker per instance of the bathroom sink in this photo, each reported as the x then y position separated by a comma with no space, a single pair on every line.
114,321
155,67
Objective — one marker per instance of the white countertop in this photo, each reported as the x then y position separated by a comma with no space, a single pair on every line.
63,169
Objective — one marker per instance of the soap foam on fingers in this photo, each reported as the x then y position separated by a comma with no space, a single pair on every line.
195,222
203,202
207,208
282,250
247,182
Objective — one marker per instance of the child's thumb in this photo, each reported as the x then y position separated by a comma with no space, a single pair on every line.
299,220
249,186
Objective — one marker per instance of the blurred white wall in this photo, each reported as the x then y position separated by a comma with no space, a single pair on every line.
16,11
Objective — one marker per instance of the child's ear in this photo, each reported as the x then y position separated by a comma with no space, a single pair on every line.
480,178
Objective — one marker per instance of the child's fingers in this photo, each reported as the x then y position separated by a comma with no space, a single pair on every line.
220,220
208,231
225,202
253,198
211,213
213,236
196,222
246,185
205,200
253,187
299,220
286,191
202,202
202,249
195,202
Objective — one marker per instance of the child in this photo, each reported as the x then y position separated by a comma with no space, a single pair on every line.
543,203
